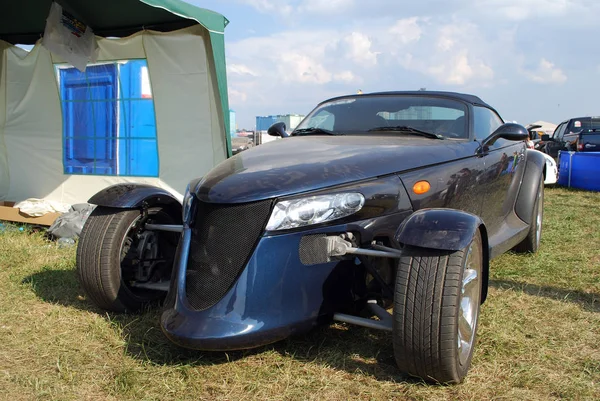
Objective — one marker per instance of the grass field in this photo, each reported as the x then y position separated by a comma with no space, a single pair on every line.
539,336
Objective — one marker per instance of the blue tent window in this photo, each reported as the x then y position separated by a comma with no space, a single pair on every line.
109,125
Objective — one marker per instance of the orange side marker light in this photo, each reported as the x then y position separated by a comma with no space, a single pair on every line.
421,187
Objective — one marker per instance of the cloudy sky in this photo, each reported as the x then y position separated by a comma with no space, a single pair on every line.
530,59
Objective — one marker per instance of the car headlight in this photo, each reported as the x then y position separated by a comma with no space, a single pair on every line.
188,199
314,210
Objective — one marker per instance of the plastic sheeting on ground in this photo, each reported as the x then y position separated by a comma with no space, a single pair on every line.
70,224
38,207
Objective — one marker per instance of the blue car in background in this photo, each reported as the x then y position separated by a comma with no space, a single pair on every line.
380,210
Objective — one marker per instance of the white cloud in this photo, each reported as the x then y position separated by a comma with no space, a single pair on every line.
292,8
547,73
307,50
297,67
314,57
237,97
460,70
359,49
270,6
345,76
406,30
407,61
519,10
449,35
454,53
324,7
240,69
445,43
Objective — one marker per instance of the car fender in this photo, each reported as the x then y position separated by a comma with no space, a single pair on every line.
445,229
534,169
133,195
550,170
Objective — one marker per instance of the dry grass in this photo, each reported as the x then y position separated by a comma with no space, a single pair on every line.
539,335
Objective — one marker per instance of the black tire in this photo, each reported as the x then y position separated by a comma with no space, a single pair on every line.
531,243
428,314
104,258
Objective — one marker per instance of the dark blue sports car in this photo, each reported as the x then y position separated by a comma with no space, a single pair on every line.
381,210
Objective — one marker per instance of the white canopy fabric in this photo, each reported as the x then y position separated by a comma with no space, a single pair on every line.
189,120
545,126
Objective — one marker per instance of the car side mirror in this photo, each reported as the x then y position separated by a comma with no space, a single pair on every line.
546,138
508,131
278,129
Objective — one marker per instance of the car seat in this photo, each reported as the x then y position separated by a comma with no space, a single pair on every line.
359,122
456,127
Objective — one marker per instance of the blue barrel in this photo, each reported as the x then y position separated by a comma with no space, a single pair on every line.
579,170
564,168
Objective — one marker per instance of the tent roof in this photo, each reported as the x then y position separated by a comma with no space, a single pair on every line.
544,126
543,123
23,22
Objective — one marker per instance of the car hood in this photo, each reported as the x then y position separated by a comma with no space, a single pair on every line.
302,164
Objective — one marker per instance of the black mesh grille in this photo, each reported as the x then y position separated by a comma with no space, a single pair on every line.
313,249
223,239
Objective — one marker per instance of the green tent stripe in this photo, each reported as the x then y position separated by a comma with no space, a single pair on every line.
211,20
218,46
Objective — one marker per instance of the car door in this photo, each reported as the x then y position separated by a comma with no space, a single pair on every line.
572,131
504,166
454,183
557,142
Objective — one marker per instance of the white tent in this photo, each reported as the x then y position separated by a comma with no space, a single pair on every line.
545,126
42,121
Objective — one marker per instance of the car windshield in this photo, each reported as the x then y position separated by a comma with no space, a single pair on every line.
388,114
584,124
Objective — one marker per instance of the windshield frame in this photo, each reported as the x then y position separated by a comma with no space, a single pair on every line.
463,106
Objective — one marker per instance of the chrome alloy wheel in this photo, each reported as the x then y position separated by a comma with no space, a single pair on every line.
470,296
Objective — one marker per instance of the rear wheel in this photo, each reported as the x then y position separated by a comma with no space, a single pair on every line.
115,255
436,311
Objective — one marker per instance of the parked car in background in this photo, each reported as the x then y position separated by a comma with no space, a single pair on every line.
551,171
396,199
239,144
534,142
535,136
581,134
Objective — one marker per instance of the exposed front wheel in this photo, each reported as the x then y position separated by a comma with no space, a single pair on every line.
116,256
436,311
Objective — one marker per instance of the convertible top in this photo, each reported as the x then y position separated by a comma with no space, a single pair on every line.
472,99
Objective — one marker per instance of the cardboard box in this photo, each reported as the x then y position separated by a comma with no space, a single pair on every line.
9,213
